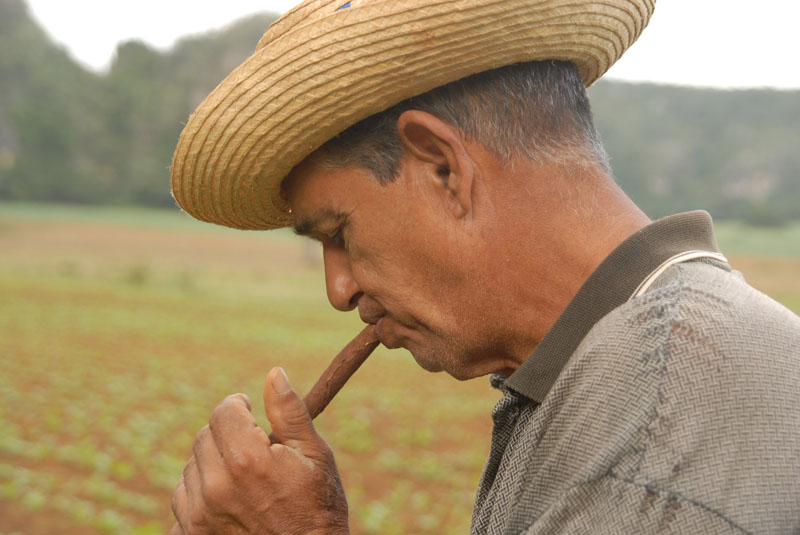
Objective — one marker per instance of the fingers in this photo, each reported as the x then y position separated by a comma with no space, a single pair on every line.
188,504
291,423
180,506
236,478
212,472
191,484
206,452
238,439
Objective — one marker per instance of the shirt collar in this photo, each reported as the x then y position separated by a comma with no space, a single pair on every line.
609,286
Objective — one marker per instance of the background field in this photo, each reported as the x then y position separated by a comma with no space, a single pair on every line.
121,329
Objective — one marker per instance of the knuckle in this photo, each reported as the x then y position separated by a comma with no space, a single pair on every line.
187,468
215,492
198,518
244,466
259,471
230,408
201,437
243,398
202,433
218,415
174,504
237,399
241,465
180,484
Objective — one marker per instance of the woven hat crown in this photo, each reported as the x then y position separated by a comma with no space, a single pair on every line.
326,65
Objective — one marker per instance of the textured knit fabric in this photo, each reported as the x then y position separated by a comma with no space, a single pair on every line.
613,282
678,412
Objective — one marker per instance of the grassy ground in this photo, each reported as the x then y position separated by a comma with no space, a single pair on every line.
121,329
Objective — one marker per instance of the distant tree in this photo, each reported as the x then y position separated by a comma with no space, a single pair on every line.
70,135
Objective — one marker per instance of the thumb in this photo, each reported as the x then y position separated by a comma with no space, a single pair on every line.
291,423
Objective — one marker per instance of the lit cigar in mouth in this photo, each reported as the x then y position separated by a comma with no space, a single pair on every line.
344,365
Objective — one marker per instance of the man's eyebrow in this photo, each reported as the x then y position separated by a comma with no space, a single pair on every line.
306,226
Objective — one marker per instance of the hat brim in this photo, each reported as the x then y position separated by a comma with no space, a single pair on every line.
319,70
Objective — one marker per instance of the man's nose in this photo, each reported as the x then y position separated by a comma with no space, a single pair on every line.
343,291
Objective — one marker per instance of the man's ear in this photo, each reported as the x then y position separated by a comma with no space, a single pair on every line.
439,151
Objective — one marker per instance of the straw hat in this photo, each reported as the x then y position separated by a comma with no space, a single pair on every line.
325,65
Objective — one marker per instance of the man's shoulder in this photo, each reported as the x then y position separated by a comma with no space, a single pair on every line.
689,393
700,303
702,330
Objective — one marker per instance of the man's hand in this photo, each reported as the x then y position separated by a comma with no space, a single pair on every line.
239,482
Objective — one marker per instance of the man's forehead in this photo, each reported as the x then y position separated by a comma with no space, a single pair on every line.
319,193
298,185
313,168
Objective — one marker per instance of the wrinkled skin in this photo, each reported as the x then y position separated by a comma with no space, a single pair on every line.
466,260
239,482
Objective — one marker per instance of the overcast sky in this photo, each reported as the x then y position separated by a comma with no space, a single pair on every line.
719,43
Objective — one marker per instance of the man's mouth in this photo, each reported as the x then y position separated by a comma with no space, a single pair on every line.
376,320
383,330
387,336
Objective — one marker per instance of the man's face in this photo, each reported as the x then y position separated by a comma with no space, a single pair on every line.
397,254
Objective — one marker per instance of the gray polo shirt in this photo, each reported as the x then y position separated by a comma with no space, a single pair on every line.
677,411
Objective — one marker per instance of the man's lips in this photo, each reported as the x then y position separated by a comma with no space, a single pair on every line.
376,320
386,335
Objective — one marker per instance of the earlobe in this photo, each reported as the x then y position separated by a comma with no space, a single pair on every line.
437,146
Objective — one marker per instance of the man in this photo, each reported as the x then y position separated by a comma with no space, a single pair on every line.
444,155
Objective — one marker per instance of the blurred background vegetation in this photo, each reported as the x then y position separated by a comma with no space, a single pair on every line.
123,322
71,135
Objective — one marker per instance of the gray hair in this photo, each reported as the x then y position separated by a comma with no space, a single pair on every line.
538,110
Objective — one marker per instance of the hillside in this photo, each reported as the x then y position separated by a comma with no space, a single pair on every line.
733,153
67,134
70,135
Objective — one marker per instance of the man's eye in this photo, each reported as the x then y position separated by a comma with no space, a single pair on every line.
338,238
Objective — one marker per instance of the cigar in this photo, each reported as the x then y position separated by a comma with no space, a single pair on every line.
344,365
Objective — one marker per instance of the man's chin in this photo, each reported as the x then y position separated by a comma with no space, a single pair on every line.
428,366
431,363
431,359
435,363
425,359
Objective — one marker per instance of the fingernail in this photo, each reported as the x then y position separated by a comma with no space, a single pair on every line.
280,382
